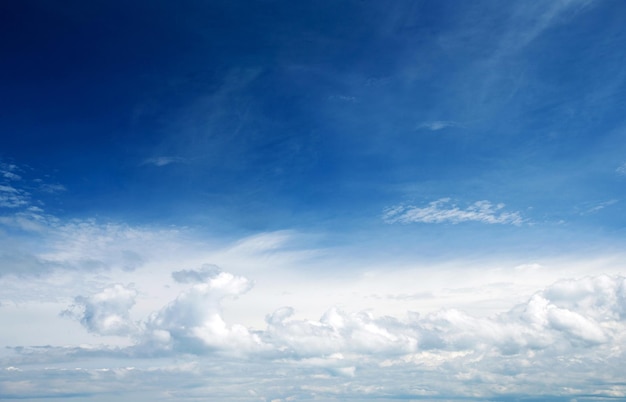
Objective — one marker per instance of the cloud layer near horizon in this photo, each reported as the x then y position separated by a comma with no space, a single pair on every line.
568,314
569,326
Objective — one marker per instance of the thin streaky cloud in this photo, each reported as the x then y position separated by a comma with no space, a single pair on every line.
163,160
11,175
598,207
8,171
444,211
11,197
52,188
438,125
538,18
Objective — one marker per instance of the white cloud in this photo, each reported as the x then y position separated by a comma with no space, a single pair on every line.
621,170
263,242
205,272
566,340
194,323
11,175
566,316
11,197
338,332
19,194
442,211
106,312
8,171
81,245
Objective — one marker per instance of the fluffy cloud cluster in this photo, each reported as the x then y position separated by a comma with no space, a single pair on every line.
106,312
194,323
569,315
442,210
566,341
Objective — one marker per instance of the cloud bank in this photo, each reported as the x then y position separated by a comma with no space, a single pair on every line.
565,341
568,315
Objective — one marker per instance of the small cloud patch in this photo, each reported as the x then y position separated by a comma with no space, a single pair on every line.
206,272
443,211
437,125
161,161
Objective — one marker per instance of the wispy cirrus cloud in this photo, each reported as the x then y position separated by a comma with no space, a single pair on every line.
437,125
161,161
52,188
444,211
598,207
9,171
11,197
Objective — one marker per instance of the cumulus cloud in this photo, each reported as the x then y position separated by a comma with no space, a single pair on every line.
106,312
442,211
571,330
194,323
568,315
338,332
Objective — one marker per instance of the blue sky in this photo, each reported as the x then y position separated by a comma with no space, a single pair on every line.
339,190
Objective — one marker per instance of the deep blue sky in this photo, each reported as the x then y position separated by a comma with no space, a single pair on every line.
264,115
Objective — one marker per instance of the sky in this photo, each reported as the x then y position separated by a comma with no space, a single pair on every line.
349,200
